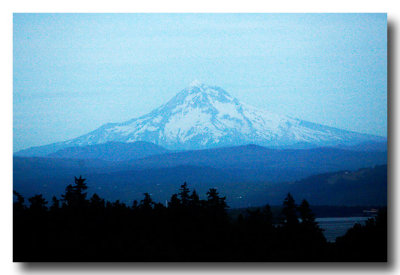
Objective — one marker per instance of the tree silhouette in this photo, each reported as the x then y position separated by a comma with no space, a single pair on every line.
80,185
289,212
306,215
216,207
194,200
19,204
214,201
134,205
175,202
38,204
96,202
184,194
147,202
55,206
74,196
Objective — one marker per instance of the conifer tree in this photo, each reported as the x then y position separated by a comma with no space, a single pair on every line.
147,203
289,212
55,204
79,187
74,196
306,215
184,194
134,205
194,199
267,214
174,202
19,204
96,202
216,206
215,201
38,204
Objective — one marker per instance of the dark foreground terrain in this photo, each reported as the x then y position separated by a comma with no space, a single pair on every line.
77,228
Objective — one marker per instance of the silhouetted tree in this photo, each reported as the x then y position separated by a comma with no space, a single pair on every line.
194,200
38,204
96,202
312,239
134,205
74,196
147,202
306,215
216,207
184,194
19,203
174,202
289,212
55,206
214,201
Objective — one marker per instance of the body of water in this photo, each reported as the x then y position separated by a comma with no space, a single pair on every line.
338,226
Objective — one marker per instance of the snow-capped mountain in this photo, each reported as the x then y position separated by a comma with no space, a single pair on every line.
203,116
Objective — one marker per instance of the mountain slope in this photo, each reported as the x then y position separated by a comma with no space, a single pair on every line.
367,186
202,116
111,151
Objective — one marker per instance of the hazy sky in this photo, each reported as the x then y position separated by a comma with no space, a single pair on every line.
75,72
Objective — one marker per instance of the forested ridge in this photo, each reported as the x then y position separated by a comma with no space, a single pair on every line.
75,227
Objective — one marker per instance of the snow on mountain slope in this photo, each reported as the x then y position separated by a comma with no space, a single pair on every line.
202,116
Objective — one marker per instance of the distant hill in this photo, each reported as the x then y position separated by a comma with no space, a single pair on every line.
305,161
111,151
362,187
366,186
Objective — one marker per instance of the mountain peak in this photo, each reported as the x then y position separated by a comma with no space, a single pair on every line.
199,96
203,116
196,83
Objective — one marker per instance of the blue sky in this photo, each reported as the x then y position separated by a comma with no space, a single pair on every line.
75,72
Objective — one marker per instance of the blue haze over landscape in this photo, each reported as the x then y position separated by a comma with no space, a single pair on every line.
76,72
200,137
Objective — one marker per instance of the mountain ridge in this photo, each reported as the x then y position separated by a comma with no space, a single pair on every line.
111,151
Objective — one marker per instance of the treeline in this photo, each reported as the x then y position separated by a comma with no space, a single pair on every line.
77,228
